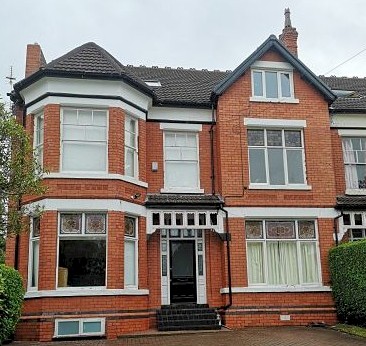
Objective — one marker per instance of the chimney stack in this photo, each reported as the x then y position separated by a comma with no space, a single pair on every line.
34,59
289,34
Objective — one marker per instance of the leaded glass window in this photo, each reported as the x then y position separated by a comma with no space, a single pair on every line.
286,254
70,224
95,224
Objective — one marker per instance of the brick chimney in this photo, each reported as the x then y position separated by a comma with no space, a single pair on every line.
34,59
289,34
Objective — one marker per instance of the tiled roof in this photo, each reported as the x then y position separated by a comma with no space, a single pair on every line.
347,201
185,87
180,86
356,101
188,200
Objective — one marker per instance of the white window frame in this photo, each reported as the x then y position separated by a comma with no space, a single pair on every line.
353,226
287,185
135,148
81,323
38,138
298,241
193,189
70,236
135,241
350,184
32,241
83,142
279,68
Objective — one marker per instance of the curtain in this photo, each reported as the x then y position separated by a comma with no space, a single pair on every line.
350,165
255,263
282,263
309,263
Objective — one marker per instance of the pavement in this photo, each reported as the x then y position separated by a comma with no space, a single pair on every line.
269,336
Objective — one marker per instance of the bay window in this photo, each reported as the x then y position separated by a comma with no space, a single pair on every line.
84,140
82,249
355,224
130,250
354,156
276,157
181,161
282,252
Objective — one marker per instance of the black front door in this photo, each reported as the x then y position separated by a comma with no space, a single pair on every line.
182,271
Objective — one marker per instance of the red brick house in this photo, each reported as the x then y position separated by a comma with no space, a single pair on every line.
178,190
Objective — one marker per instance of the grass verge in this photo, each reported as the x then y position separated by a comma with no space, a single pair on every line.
353,330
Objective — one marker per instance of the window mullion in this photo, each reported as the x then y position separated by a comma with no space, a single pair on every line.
284,155
299,255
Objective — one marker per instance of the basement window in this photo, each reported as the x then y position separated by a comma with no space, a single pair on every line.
79,327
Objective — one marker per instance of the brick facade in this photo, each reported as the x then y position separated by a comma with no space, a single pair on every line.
128,311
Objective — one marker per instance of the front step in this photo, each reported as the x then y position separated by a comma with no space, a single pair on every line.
187,317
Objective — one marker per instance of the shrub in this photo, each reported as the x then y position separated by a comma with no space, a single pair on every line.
11,298
347,264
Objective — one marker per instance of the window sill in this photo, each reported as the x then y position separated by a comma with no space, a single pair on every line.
279,289
176,190
91,291
283,100
88,175
359,192
279,187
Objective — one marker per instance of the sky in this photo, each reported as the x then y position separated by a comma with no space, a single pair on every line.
202,34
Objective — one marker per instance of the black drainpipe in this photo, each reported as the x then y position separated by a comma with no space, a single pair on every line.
228,238
335,227
212,152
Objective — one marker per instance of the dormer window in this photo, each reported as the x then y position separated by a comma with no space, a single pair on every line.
272,82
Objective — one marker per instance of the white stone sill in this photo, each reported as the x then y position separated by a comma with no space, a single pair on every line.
121,177
356,192
263,99
86,292
279,187
268,289
188,191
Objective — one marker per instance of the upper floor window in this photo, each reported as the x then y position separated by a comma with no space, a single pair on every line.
272,81
354,156
131,147
38,138
84,140
276,157
181,161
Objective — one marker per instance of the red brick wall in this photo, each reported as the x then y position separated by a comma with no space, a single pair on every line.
338,162
234,106
116,145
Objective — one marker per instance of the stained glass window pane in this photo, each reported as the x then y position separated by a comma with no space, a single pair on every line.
70,224
95,224
255,137
306,229
274,138
254,229
130,227
280,230
293,138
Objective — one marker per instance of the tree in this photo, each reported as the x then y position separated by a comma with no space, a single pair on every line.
20,174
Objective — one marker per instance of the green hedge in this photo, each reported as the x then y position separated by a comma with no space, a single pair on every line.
347,264
11,298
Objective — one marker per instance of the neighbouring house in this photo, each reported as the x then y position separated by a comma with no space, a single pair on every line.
183,198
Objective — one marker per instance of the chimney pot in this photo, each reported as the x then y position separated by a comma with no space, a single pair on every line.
289,34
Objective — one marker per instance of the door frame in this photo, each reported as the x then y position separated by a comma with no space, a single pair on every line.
198,237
